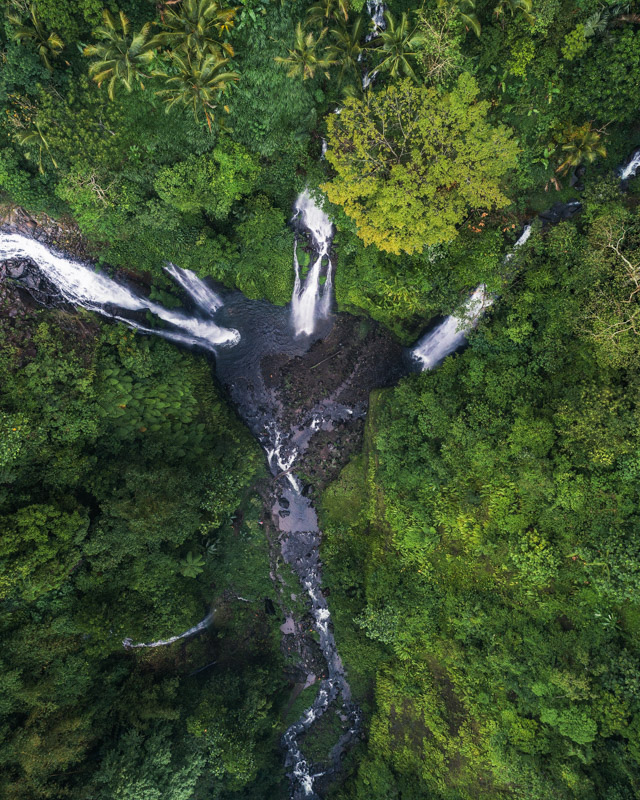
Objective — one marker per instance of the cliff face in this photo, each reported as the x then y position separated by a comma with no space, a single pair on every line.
63,234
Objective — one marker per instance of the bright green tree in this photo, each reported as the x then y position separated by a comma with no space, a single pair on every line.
121,57
410,163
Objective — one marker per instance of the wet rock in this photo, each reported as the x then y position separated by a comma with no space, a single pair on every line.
559,212
575,179
288,626
16,269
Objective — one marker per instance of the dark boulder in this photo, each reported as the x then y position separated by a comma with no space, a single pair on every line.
560,212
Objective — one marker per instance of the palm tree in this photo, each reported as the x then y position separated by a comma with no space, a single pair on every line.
197,26
581,144
37,138
347,47
466,11
525,6
121,56
198,84
323,11
398,45
48,45
304,58
192,565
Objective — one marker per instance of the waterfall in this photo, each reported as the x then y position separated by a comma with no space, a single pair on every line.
82,286
201,626
524,237
201,294
629,169
452,332
310,300
376,11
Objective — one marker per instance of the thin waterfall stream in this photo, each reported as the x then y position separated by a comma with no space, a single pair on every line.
452,332
254,344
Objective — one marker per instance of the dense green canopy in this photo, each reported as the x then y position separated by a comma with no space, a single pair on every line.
482,549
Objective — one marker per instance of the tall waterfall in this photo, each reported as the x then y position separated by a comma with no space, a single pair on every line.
452,332
629,169
310,300
376,11
82,286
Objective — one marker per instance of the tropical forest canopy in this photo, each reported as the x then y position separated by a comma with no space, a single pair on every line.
483,549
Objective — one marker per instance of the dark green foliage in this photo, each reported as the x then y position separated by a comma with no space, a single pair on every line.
482,552
118,463
499,538
209,183
606,77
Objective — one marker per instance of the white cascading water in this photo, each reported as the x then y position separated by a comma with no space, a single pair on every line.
201,626
275,457
631,167
201,294
376,12
452,332
312,301
82,286
524,237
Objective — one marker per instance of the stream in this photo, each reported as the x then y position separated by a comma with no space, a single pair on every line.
259,350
